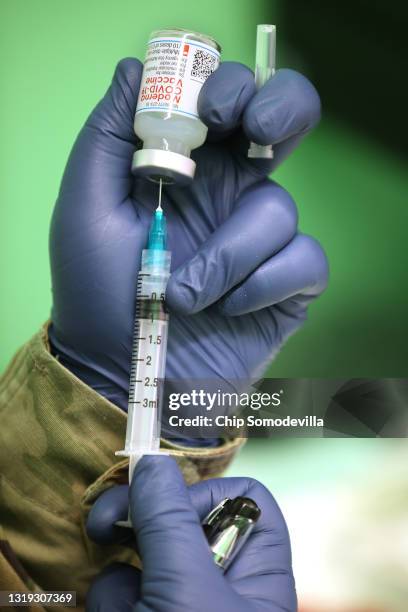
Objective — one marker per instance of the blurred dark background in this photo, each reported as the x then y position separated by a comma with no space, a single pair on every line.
356,53
350,181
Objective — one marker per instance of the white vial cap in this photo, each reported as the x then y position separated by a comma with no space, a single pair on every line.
156,163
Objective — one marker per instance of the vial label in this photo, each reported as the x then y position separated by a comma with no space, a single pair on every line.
174,72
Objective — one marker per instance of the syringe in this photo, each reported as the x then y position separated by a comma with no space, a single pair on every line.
264,69
149,347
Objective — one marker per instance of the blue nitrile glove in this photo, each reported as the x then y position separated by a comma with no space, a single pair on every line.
233,235
179,573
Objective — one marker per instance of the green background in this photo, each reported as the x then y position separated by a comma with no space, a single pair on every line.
56,60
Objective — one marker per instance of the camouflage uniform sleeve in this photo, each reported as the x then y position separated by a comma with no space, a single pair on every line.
13,576
57,454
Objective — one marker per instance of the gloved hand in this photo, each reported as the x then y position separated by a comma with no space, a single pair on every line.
178,571
243,276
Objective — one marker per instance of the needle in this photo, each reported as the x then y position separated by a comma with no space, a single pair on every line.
160,195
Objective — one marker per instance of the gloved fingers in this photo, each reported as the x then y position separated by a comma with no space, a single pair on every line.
111,506
299,269
280,113
117,588
267,553
100,160
168,528
224,96
285,109
263,222
288,104
170,538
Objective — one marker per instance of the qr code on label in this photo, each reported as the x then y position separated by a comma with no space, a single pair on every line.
203,64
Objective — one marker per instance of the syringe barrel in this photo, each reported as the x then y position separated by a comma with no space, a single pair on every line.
156,263
152,280
149,355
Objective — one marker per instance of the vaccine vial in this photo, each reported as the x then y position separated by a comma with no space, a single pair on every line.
177,64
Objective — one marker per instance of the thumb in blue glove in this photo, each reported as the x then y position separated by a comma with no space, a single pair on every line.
178,570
